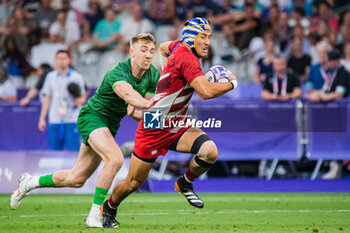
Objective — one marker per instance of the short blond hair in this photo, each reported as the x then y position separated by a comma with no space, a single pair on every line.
143,36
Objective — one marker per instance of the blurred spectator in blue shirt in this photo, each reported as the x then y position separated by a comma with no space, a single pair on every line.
336,81
106,34
317,73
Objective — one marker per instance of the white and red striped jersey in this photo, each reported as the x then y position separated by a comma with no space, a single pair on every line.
174,91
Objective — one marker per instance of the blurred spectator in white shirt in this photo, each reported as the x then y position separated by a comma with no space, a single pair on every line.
81,5
73,15
63,31
45,51
314,38
136,24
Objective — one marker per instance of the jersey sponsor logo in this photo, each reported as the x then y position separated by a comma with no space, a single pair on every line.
152,120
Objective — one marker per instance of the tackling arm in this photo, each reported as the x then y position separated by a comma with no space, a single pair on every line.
136,114
132,97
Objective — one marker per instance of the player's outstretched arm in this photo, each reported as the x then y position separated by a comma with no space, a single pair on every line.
208,90
136,114
132,111
132,97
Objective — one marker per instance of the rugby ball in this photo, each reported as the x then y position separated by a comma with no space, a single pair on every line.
217,74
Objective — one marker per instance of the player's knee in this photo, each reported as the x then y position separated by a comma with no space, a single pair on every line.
212,153
114,164
208,152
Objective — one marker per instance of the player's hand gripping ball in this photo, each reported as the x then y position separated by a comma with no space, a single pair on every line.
217,74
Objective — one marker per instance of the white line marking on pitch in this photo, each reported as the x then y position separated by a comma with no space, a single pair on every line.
191,212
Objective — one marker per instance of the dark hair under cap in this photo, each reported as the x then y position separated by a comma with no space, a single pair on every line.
334,55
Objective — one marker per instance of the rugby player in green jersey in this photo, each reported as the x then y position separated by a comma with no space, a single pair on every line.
127,86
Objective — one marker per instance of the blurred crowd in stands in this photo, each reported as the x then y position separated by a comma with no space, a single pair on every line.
247,33
247,36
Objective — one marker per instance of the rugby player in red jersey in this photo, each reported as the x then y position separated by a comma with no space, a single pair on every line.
180,77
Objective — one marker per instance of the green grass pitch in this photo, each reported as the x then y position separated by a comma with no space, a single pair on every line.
152,212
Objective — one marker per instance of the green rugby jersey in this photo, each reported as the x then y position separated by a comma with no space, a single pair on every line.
107,103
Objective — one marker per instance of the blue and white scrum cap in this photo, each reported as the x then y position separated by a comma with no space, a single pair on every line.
194,27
